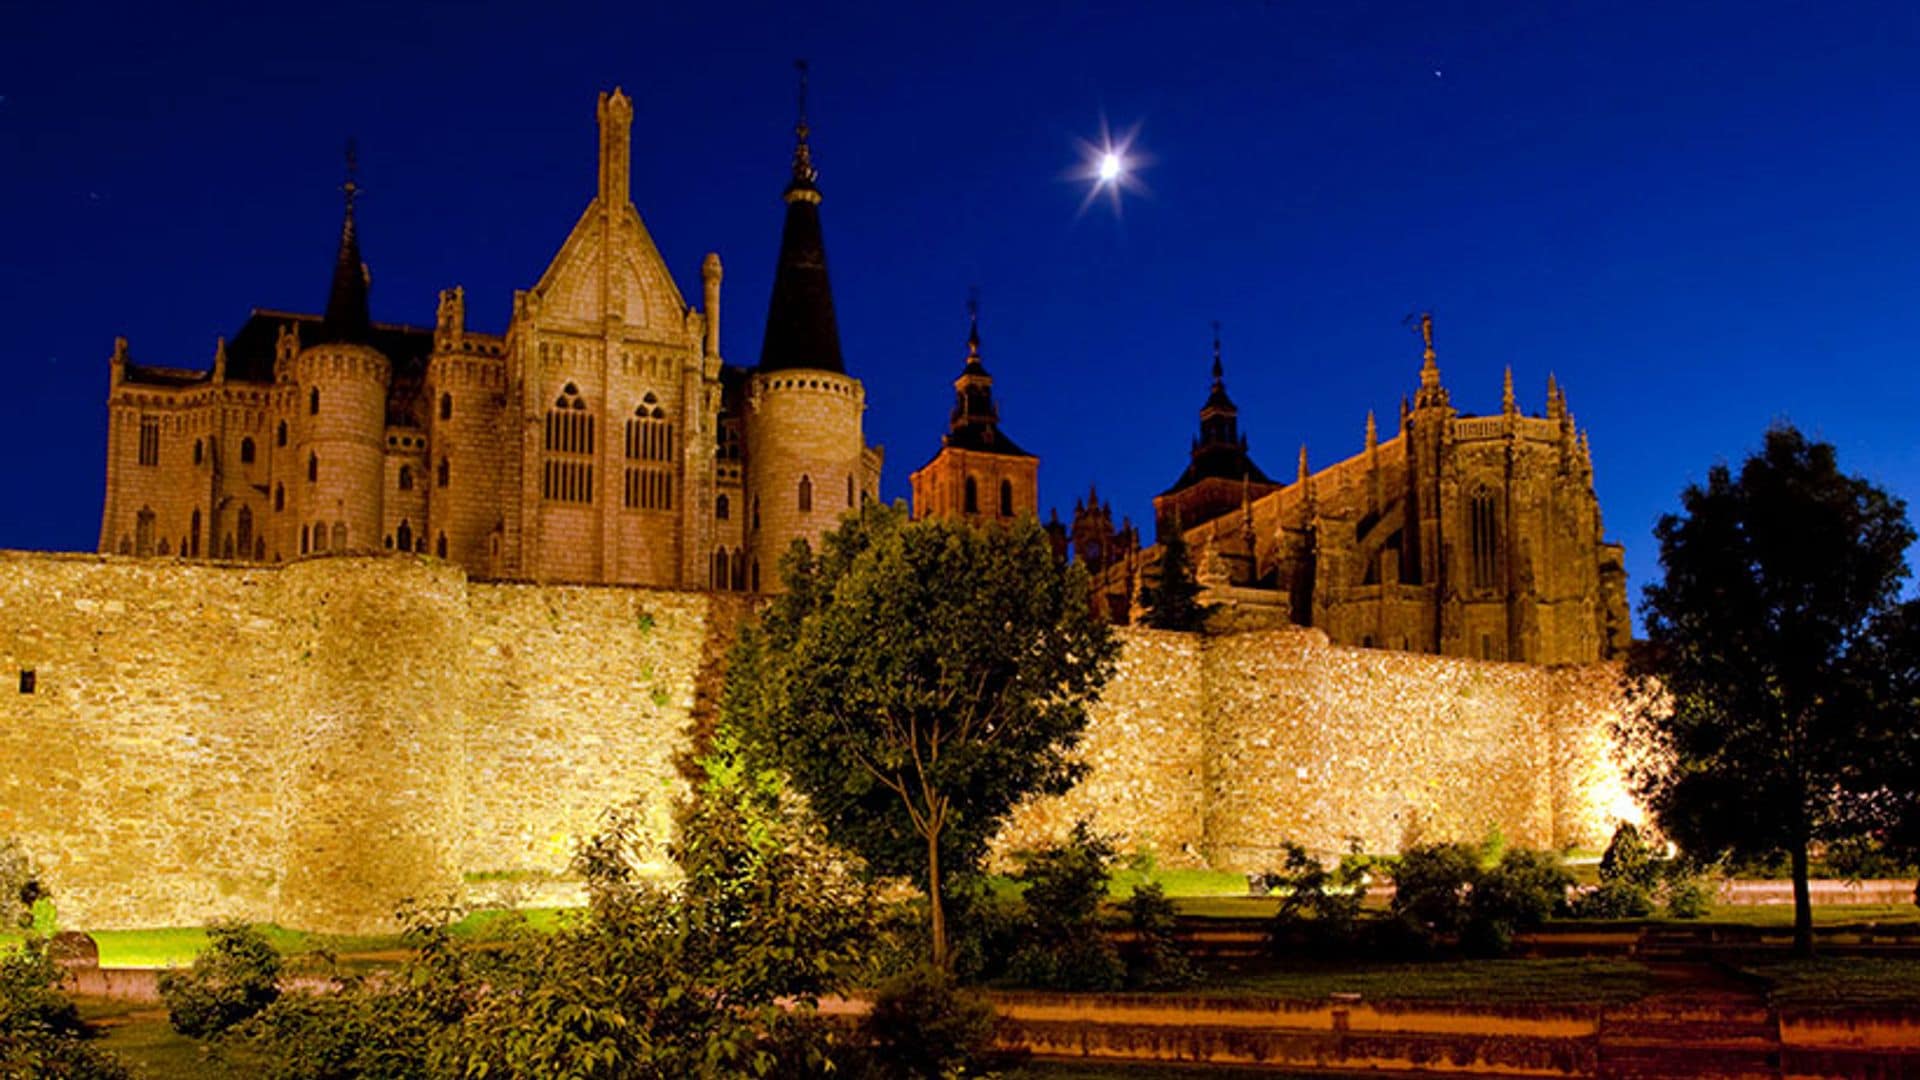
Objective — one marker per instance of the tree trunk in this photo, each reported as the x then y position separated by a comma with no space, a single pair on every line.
934,903
1802,903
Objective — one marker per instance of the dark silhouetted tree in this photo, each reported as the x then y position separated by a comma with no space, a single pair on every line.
1173,601
917,680
1759,683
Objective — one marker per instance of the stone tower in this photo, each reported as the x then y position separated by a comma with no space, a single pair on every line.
979,475
1220,474
806,461
339,412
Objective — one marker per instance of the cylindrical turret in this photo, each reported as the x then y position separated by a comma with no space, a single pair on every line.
710,278
803,450
339,451
465,381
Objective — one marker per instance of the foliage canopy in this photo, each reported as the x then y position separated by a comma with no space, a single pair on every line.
1764,675
917,680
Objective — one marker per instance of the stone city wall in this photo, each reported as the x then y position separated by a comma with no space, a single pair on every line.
313,742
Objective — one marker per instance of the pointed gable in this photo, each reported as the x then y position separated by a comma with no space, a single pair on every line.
609,265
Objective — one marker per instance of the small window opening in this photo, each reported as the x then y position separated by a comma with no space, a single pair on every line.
27,680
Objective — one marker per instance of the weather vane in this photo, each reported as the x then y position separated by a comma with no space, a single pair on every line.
352,186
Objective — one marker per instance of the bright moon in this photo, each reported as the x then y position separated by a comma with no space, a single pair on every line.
1109,166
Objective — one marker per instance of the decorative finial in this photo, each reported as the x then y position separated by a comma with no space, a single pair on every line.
1373,433
1507,404
1303,463
803,171
352,185
1431,394
973,322
1216,351
220,359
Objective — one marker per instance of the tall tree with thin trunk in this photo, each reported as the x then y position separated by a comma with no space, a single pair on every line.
917,680
1760,674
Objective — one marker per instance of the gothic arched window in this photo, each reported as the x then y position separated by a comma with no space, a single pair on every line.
1485,536
849,491
806,494
567,473
246,453
446,406
441,473
403,537
722,508
406,478
649,439
313,467
280,434
1006,498
279,496
143,532
970,502
313,402
193,536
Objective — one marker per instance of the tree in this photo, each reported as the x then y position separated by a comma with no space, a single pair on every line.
917,680
1173,602
1759,680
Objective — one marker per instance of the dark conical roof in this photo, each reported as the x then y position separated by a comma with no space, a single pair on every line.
801,329
348,318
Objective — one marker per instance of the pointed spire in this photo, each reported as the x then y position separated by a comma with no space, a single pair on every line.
220,359
1507,405
975,421
616,148
1431,393
802,331
804,174
1304,473
1556,407
1218,372
347,318
973,327
1373,433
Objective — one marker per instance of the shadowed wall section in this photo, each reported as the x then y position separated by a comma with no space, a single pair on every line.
312,744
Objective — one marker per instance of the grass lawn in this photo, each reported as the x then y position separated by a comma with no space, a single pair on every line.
1574,981
176,946
1836,982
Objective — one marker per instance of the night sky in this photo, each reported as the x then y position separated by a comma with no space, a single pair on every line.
1701,218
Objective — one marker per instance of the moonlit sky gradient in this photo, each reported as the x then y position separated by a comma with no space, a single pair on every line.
1701,217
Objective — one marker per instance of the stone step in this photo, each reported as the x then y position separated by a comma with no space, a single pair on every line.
1667,1061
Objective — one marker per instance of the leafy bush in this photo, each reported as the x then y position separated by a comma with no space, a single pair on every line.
1613,900
1153,957
41,1034
1431,882
1629,860
1688,893
20,887
1319,909
233,979
1862,858
1516,894
718,976
922,1025
1064,946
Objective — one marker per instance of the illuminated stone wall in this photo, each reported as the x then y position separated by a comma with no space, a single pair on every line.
1215,751
312,743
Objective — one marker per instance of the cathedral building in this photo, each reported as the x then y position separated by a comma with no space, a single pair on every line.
601,439
1462,535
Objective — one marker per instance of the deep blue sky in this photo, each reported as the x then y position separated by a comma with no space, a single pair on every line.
1702,217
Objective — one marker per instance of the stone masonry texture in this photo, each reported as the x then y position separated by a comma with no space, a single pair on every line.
315,742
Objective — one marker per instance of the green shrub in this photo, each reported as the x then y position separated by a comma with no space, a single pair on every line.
923,1026
1319,909
233,979
1154,958
1430,888
41,1034
1861,858
1514,895
1629,860
1062,944
1688,893
1614,900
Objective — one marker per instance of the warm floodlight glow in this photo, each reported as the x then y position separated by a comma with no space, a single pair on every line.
1110,165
